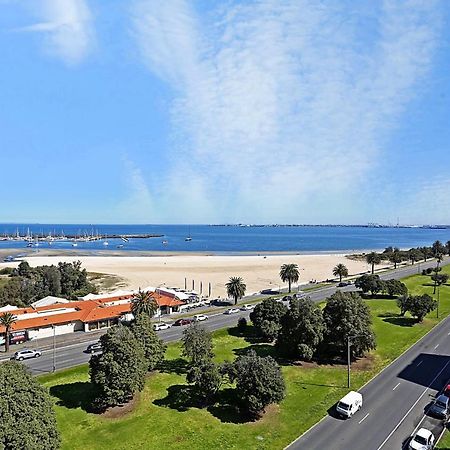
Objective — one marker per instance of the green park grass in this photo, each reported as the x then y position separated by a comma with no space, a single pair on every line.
164,415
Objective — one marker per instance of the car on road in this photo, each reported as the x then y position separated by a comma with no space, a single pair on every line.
26,354
181,322
161,326
344,283
247,307
287,298
447,391
349,404
439,408
9,259
300,294
94,348
200,317
231,311
422,440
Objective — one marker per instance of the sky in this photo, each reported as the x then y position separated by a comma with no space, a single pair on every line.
255,111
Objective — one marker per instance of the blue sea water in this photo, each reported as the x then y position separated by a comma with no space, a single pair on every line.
230,239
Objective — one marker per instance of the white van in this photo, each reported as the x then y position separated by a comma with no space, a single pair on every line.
348,405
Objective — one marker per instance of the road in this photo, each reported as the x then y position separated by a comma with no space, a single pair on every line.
69,348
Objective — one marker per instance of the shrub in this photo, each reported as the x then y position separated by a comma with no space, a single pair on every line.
242,324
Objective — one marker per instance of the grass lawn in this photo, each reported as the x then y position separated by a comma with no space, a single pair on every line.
164,415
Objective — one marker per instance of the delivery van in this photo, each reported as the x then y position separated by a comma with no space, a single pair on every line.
349,404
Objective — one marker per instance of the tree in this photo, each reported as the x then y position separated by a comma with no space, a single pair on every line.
119,372
259,382
266,318
347,316
197,344
242,324
27,417
439,279
236,288
396,257
421,305
438,249
154,347
414,255
404,303
302,329
144,302
289,273
372,259
426,252
207,377
395,287
369,283
447,246
340,271
7,320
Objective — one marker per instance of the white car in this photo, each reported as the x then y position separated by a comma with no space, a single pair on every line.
200,317
161,326
27,354
231,311
247,307
422,440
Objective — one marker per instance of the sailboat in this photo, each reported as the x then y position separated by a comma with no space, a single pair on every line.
189,237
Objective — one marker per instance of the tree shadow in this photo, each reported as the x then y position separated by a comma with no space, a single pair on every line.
226,408
401,321
178,366
262,350
181,397
249,334
75,395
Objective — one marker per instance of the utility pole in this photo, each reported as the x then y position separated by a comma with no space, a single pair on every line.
54,348
438,298
348,361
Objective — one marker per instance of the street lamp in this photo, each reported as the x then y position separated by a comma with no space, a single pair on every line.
438,298
54,348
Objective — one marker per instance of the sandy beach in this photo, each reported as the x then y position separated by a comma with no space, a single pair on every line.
258,271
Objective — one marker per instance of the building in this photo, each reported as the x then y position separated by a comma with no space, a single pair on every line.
55,316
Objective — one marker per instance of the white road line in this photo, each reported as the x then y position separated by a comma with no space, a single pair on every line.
396,386
412,407
364,418
448,334
419,363
436,346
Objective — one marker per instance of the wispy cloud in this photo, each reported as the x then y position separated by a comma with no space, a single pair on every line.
66,26
280,106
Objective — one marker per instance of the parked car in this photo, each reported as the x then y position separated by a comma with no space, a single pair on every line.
447,391
300,294
161,326
200,317
231,311
422,440
18,337
344,283
247,307
439,408
287,298
27,354
94,348
349,404
181,322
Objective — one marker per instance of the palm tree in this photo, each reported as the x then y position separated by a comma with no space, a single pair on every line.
144,303
7,320
396,258
373,258
236,288
447,246
289,273
340,271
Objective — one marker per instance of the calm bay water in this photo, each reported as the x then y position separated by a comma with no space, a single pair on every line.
230,239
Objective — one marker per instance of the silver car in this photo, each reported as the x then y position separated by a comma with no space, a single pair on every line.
439,408
27,354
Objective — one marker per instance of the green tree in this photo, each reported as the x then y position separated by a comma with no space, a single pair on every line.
447,246
347,316
144,302
289,273
197,344
414,255
259,382
396,257
236,288
404,303
27,418
373,258
341,271
369,283
242,324
207,377
426,252
119,372
421,305
438,249
302,329
266,318
395,287
439,279
7,320
154,347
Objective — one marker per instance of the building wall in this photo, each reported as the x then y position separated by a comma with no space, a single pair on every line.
39,333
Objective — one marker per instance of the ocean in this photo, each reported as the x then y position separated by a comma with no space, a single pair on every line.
227,239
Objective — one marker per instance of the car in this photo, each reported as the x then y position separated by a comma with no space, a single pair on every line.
247,307
9,259
422,440
231,311
300,294
349,404
27,354
181,322
439,408
161,326
447,391
200,317
344,283
287,298
93,348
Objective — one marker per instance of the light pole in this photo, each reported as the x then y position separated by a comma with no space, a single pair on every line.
54,348
438,298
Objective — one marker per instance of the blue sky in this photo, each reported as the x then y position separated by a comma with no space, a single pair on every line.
178,111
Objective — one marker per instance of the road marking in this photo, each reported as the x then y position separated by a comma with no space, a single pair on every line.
419,363
364,418
448,334
436,346
396,386
412,407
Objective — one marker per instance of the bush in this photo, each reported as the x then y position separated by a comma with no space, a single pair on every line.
421,305
6,271
369,283
395,287
197,344
266,318
242,325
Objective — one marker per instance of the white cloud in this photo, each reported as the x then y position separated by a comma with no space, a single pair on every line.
66,26
280,106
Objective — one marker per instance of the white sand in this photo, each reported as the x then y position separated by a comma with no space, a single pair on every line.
258,272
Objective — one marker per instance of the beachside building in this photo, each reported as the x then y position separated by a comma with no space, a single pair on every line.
55,316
